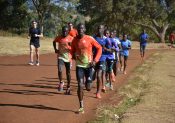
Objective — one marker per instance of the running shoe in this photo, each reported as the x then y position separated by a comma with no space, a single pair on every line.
37,63
98,95
81,110
31,63
88,85
111,87
107,84
103,90
60,87
67,91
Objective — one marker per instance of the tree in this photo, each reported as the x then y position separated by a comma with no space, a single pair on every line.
156,15
13,15
42,6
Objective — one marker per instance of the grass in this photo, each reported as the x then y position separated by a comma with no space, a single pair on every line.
20,45
132,93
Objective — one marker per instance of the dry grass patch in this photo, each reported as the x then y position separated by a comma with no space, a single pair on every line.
20,45
132,92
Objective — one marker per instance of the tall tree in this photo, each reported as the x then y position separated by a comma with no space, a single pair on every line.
42,6
13,14
156,15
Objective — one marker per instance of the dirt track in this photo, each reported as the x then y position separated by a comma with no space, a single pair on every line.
28,94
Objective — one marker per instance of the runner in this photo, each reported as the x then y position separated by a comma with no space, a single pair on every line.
101,65
143,42
116,58
112,47
34,35
72,31
82,53
63,57
124,53
171,39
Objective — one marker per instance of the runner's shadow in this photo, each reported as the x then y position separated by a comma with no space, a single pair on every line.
36,107
47,65
14,65
29,92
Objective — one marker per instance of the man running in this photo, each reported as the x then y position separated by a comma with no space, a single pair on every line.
143,38
82,53
63,56
101,64
124,53
171,39
116,54
34,35
112,47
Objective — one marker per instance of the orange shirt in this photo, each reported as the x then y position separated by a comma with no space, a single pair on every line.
82,50
73,32
64,47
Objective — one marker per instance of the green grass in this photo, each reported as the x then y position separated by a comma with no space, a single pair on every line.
131,93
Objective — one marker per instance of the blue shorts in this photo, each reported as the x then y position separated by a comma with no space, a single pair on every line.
142,47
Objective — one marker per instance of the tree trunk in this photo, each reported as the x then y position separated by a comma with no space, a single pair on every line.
162,34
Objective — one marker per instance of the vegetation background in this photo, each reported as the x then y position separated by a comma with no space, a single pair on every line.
126,16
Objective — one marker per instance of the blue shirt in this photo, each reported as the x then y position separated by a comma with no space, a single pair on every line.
125,44
102,42
111,43
143,38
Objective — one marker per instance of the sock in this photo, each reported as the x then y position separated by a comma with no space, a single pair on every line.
81,104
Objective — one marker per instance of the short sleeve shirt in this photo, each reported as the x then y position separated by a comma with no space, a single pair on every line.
125,44
64,47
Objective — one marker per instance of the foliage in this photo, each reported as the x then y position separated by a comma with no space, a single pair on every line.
155,15
13,15
128,16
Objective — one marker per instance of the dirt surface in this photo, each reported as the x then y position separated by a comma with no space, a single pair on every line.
158,103
28,94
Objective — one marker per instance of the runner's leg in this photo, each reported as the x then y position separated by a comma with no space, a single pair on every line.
125,64
68,75
80,78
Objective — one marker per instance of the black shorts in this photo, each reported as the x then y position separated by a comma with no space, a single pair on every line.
109,65
60,64
36,44
82,73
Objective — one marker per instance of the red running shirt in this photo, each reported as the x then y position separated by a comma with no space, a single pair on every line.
82,50
64,46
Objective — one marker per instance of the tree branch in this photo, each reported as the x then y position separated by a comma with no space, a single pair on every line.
148,26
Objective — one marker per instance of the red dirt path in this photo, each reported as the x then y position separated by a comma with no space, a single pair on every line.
28,94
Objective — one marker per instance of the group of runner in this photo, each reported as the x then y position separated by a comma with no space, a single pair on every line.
96,56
